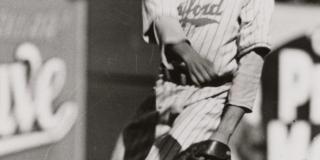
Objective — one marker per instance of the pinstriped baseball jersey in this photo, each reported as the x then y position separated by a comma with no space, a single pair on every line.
222,31
219,30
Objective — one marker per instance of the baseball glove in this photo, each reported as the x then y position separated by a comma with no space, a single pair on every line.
206,150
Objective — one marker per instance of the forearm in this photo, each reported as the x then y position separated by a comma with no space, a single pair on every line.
182,49
231,117
241,96
168,30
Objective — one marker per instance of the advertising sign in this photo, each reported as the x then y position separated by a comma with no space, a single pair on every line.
42,79
291,105
285,124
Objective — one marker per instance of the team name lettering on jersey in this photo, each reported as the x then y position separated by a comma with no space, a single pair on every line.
199,14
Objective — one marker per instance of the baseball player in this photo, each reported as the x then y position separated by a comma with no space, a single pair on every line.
212,55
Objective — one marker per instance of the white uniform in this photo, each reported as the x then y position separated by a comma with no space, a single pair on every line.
221,31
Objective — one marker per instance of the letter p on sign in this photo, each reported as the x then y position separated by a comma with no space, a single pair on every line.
295,81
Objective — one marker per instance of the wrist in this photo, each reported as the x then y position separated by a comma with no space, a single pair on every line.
222,137
229,122
183,49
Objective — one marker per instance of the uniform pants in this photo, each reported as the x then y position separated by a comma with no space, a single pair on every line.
182,116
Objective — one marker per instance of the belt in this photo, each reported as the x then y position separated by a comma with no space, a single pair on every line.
182,77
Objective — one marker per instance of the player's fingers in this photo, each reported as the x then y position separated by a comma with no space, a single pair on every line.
206,73
193,69
194,79
199,75
209,67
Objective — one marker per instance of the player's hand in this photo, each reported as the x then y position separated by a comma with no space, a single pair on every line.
200,69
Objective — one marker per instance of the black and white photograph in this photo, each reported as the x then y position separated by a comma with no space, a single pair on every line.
160,80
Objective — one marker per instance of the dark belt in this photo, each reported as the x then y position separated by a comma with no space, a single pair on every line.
182,77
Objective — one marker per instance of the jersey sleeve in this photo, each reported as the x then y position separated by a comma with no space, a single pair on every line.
245,84
254,34
255,20
161,22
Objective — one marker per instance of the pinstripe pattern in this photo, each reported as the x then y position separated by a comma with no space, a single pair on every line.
199,112
220,42
219,30
199,116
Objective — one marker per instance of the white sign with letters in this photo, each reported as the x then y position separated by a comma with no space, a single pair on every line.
28,88
299,78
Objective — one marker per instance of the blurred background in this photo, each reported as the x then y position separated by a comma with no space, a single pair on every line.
110,71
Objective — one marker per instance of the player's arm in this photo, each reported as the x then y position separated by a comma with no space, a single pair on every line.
242,94
161,25
161,22
253,46
200,69
217,147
